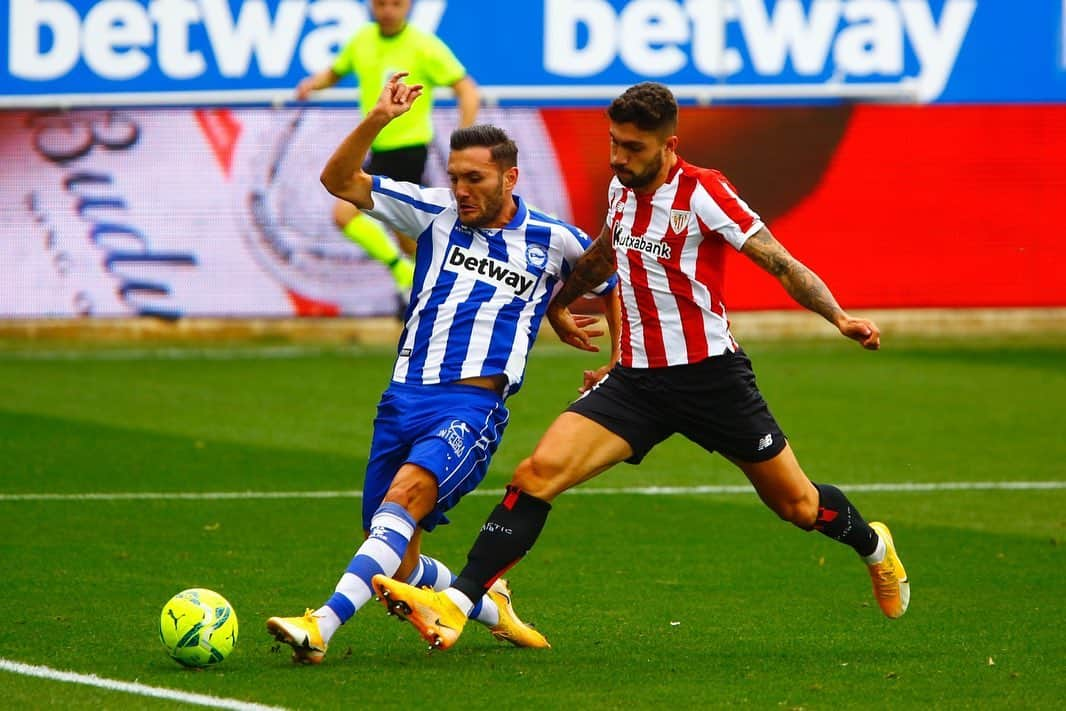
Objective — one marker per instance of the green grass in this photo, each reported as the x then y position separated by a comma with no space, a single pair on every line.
650,602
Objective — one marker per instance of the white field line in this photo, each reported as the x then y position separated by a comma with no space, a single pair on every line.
903,487
132,688
181,353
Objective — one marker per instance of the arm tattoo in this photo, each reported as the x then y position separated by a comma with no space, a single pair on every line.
800,282
594,267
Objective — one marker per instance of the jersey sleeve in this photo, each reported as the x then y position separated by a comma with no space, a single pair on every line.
407,207
440,64
344,64
722,211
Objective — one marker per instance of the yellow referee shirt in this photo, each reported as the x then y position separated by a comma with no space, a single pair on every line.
373,58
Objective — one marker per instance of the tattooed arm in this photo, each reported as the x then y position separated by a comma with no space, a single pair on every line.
594,267
807,288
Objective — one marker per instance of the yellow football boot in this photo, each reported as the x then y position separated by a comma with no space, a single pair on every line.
510,627
433,614
302,634
891,587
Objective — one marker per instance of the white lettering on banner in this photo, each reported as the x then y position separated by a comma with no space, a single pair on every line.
119,30
234,41
173,18
28,60
859,37
121,39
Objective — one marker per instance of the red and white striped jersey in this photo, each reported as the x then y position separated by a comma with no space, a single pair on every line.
670,250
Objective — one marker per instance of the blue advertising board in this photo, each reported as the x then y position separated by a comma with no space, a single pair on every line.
86,52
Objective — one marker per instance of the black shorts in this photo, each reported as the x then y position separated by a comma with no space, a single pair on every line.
715,403
406,164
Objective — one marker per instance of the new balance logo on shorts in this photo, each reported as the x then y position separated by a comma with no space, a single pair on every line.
488,269
765,442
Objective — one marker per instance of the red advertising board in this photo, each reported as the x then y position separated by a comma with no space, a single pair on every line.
895,206
219,212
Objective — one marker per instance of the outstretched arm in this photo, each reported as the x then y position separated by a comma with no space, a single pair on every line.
343,175
594,267
322,80
468,98
807,288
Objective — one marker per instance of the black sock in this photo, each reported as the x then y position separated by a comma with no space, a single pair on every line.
841,521
507,535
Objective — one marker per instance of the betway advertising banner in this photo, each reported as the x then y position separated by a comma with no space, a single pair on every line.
107,52
219,211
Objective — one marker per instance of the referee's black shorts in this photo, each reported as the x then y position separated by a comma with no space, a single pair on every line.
405,164
715,403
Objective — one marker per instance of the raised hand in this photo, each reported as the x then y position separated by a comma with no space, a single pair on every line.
397,97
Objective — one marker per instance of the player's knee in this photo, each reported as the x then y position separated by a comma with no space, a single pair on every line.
800,511
343,212
540,475
416,492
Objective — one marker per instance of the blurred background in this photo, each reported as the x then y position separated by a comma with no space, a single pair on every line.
154,163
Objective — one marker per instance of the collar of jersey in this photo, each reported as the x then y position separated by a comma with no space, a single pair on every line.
675,170
516,221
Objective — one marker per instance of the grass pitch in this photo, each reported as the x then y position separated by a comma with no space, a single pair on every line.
650,601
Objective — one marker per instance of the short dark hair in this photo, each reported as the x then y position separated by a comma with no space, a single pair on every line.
503,150
648,105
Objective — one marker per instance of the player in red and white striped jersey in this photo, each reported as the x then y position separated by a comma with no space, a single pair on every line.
668,227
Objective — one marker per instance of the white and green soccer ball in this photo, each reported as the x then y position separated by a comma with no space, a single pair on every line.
198,627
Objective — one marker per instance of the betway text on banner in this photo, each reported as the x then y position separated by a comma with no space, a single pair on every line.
111,52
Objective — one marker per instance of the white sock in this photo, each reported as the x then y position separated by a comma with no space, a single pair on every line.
328,622
489,614
461,601
879,553
437,575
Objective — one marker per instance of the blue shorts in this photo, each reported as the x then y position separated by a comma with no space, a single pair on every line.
451,430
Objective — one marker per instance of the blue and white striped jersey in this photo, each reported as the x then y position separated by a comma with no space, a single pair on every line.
479,294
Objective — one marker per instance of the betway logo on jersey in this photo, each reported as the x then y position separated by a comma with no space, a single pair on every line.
626,240
462,262
838,38
120,39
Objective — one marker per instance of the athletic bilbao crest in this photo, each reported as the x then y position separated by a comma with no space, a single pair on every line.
679,220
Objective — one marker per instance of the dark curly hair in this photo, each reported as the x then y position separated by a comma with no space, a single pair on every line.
648,105
503,150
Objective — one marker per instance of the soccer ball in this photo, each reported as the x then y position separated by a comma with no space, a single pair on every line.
198,627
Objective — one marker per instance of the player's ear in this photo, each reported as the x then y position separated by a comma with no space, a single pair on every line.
510,178
671,143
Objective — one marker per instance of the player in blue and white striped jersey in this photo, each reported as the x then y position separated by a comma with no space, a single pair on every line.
480,290
486,266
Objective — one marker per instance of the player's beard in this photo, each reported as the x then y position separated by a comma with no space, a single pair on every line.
493,207
642,179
